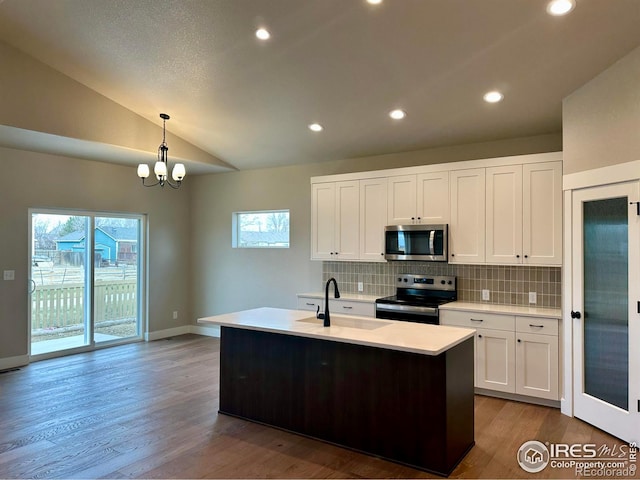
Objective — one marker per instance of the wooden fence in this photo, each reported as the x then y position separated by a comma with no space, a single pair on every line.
57,306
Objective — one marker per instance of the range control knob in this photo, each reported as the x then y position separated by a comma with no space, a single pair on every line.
450,282
442,282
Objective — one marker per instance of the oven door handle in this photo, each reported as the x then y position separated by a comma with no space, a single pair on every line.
432,311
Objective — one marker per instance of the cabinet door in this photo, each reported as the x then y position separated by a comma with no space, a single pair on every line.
495,360
542,213
347,242
373,218
401,200
504,214
309,303
467,221
323,214
433,197
537,365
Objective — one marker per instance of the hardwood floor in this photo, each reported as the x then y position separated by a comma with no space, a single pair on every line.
149,410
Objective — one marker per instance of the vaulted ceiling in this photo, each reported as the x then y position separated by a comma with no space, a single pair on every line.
341,63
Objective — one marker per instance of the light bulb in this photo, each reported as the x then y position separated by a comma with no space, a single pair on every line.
178,172
143,170
160,170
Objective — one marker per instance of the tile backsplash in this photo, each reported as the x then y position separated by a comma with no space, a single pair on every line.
508,285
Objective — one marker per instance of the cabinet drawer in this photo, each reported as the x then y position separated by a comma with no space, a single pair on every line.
351,308
477,320
309,303
543,326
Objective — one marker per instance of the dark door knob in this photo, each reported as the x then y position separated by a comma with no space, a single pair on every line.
575,314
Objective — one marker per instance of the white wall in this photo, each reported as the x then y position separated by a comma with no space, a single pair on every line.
601,120
34,180
225,279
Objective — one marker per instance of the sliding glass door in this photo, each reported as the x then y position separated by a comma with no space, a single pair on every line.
85,280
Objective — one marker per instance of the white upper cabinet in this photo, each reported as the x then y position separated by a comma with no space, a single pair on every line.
433,198
401,200
335,211
542,213
524,214
323,214
373,218
467,222
421,198
504,214
504,211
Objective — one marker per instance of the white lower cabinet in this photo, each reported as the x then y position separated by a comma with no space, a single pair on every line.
537,357
495,360
337,306
513,354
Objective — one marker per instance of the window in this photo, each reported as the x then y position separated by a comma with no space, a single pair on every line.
261,229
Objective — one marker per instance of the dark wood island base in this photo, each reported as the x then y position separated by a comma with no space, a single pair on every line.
405,407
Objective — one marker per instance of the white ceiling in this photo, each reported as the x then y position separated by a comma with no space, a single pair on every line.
342,63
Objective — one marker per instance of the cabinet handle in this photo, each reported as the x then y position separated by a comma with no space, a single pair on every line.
519,340
346,307
476,320
536,326
526,256
311,304
517,256
479,336
382,254
453,255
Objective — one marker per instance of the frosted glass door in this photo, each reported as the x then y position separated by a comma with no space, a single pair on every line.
606,323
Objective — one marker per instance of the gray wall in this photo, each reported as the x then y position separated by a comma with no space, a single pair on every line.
34,180
225,279
601,120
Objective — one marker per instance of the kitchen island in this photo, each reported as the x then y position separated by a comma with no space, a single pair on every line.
396,390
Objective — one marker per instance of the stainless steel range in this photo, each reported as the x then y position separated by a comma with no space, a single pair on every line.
417,298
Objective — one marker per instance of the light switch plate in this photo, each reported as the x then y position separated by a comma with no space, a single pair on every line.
9,275
533,297
486,295
360,286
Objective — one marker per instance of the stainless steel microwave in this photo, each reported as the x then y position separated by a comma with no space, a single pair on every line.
416,242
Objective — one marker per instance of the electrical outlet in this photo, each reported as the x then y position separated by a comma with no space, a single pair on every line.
175,315
360,287
9,275
533,297
486,295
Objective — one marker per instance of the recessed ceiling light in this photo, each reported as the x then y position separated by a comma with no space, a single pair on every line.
374,2
493,96
316,127
397,114
263,34
560,7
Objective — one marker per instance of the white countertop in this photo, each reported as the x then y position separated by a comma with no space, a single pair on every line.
353,297
503,309
404,336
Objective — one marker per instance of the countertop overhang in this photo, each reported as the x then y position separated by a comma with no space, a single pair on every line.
394,335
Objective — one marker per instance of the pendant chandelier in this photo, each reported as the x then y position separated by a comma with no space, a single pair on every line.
161,169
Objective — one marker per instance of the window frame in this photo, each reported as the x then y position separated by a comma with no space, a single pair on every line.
236,237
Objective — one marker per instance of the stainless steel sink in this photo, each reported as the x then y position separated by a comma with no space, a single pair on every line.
338,321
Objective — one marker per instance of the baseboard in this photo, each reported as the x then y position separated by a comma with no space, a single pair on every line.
13,362
213,331
518,398
169,332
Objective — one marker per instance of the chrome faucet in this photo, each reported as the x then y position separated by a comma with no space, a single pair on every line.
325,316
